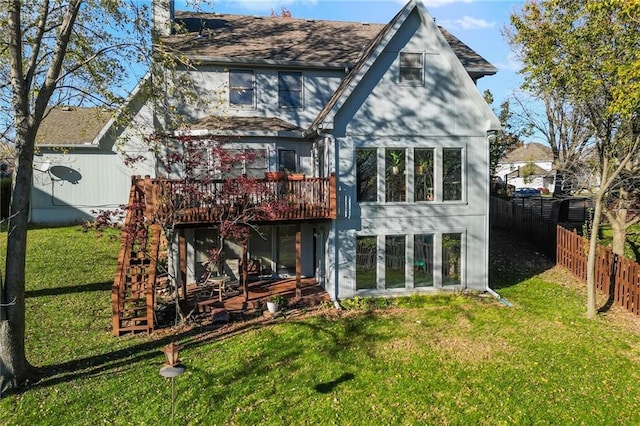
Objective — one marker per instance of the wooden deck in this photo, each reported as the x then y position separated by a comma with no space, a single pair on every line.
200,203
259,291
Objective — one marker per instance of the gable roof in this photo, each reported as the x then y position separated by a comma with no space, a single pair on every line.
242,39
372,51
533,170
72,126
530,152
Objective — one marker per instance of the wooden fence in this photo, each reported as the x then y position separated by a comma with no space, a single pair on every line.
616,276
526,223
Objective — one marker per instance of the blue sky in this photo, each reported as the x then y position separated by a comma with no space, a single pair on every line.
479,24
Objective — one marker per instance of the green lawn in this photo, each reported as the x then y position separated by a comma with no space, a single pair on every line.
435,360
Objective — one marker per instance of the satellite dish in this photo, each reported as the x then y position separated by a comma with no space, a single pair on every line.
44,167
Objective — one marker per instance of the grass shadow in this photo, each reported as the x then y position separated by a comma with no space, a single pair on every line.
354,333
81,288
329,386
513,260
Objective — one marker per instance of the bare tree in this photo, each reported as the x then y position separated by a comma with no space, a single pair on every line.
513,131
567,131
53,52
583,50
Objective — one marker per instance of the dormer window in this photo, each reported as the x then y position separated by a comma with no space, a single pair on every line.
290,89
241,88
411,68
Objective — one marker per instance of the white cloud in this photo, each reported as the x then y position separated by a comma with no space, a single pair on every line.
512,64
467,23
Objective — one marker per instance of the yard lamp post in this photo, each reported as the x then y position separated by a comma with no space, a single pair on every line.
172,369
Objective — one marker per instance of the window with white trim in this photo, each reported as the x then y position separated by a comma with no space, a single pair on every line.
290,89
367,174
423,172
452,174
395,261
242,88
423,260
366,263
451,258
411,68
395,175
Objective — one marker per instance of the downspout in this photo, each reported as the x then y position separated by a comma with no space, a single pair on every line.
500,299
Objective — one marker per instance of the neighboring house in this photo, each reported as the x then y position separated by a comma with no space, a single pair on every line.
528,166
386,123
77,168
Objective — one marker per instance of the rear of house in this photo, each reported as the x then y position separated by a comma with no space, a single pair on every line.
384,121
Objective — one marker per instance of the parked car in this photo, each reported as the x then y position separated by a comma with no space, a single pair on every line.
526,192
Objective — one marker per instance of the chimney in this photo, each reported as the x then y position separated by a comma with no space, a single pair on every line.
163,14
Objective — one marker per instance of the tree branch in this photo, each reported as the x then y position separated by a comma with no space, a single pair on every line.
44,14
60,51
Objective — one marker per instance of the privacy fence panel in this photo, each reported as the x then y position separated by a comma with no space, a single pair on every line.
616,276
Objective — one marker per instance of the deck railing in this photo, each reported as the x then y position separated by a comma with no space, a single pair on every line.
198,202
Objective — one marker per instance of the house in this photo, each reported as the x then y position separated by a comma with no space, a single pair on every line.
78,168
384,121
529,165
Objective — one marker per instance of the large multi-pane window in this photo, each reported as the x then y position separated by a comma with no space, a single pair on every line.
290,89
447,186
367,174
395,175
241,88
423,172
424,256
423,260
366,263
451,258
411,67
451,174
394,272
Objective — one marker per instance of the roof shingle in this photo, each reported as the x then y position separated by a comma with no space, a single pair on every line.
253,40
71,125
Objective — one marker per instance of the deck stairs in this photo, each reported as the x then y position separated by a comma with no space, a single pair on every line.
133,292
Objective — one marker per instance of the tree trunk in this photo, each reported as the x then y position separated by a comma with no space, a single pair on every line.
15,370
591,259
619,238
618,219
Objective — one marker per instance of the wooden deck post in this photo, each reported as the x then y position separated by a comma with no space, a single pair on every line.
182,253
244,271
298,262
333,197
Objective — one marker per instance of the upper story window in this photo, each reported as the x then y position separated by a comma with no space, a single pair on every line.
411,68
423,171
249,162
290,89
287,161
367,174
395,175
437,174
241,88
452,174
